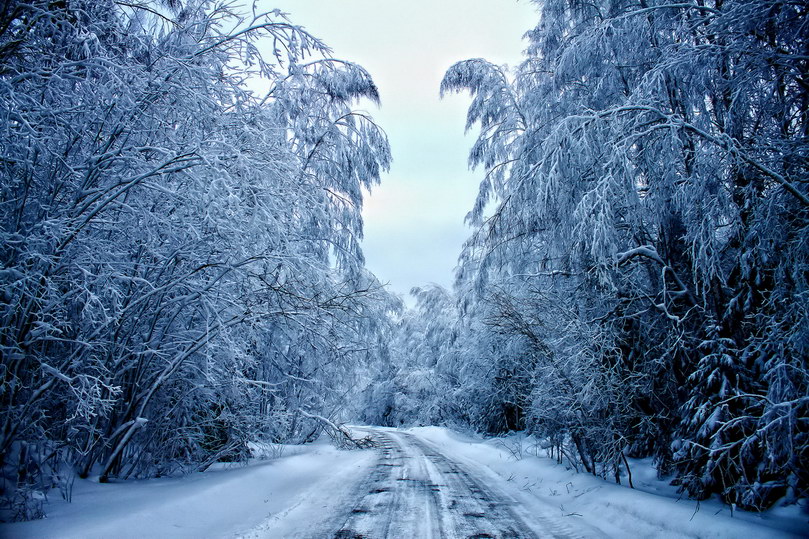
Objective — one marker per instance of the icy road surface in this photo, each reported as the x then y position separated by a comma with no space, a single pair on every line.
414,490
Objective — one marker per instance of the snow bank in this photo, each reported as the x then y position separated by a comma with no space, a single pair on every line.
223,502
653,509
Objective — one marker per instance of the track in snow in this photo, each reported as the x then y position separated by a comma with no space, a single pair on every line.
416,491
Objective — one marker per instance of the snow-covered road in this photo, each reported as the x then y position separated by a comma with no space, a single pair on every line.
415,490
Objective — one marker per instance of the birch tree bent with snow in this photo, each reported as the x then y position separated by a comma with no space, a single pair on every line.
180,260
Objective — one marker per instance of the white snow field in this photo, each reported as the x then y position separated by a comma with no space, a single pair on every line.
425,482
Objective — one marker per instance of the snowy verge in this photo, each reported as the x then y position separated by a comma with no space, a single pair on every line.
652,510
217,503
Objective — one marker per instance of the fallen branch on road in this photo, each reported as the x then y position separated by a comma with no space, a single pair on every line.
339,433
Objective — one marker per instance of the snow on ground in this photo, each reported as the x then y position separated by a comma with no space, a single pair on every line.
216,503
653,509
292,495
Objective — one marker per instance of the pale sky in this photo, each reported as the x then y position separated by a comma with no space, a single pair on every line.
414,220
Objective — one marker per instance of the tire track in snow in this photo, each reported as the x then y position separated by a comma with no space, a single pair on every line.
543,521
416,491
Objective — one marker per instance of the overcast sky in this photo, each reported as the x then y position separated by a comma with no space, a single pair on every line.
414,220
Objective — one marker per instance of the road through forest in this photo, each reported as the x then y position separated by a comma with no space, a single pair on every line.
416,491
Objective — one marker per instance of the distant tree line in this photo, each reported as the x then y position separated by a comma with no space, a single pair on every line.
636,282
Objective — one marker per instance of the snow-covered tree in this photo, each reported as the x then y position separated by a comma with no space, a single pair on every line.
180,263
647,160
